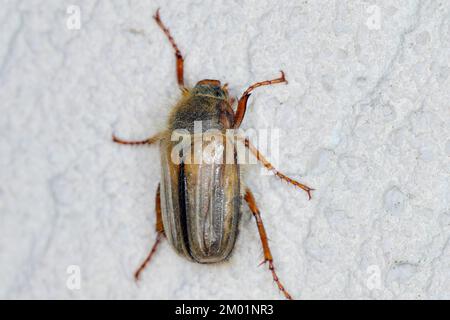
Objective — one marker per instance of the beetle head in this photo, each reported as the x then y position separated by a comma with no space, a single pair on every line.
211,88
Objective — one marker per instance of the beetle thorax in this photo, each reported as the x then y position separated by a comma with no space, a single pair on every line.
206,103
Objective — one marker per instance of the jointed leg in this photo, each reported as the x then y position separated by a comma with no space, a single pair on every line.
262,233
270,167
179,57
150,140
159,236
242,105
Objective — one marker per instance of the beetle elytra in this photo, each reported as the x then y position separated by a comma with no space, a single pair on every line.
198,205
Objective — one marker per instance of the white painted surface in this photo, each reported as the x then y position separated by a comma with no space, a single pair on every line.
364,120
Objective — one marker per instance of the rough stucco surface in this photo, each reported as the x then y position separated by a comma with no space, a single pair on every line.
364,120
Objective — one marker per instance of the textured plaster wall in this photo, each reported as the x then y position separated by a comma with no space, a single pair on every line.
364,120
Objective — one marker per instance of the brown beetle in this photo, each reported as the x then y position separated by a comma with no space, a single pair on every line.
198,205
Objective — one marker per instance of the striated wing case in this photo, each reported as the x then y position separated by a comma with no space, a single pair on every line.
200,202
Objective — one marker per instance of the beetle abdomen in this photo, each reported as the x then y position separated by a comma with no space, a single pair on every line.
200,203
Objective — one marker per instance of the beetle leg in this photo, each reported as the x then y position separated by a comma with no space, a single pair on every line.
150,140
270,167
242,105
265,243
179,57
159,236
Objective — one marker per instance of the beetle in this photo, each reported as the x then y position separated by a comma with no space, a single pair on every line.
198,206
